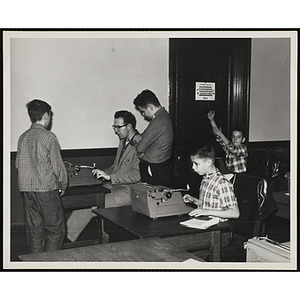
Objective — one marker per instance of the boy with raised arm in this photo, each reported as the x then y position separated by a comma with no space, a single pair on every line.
236,151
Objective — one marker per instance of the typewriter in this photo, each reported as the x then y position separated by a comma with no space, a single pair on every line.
158,201
80,175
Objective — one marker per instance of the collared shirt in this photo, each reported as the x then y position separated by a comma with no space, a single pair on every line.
216,192
157,139
236,156
39,162
126,142
125,169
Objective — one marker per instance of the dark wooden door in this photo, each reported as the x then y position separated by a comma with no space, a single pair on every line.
224,62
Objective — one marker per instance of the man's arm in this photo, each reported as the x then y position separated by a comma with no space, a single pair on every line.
131,176
151,133
118,177
105,174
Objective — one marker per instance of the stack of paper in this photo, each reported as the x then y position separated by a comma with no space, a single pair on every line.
201,223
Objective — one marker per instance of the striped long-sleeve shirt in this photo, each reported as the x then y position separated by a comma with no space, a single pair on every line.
39,162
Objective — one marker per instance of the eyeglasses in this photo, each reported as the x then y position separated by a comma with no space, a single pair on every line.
118,126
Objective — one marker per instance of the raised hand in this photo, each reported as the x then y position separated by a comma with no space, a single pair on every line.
211,115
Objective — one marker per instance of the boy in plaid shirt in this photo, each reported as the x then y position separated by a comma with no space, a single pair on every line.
236,151
216,197
43,179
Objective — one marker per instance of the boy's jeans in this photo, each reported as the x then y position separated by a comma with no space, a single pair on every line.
45,223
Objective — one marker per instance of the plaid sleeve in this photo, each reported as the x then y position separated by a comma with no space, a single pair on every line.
226,194
238,150
58,166
221,142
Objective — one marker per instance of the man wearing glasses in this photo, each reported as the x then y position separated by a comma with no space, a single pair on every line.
125,170
119,177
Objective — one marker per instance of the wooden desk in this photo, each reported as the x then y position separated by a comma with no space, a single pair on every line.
80,197
122,223
145,250
283,203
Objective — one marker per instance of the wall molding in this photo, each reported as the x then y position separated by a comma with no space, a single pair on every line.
268,144
81,152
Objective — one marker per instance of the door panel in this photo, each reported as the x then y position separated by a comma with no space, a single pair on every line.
222,61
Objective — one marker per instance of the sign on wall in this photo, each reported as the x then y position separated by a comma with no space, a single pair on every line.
205,91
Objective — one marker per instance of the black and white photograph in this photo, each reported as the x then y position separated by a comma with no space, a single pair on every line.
150,150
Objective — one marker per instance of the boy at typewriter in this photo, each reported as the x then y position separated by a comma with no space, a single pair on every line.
216,197
236,151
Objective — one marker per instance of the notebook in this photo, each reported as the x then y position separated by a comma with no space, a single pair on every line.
201,222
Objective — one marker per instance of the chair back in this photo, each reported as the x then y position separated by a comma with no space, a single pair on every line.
263,163
255,204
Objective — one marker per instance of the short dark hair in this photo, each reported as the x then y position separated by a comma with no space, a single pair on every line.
146,97
239,129
207,152
36,109
127,116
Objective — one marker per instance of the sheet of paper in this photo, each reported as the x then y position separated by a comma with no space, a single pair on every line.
200,224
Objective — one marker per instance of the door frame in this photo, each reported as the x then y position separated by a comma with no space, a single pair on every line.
239,83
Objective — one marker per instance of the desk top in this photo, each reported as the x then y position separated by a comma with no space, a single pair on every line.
86,189
144,250
142,226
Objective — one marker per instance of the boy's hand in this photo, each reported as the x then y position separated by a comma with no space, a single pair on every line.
188,199
198,212
211,115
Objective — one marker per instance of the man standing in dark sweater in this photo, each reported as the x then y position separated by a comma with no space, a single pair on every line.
155,147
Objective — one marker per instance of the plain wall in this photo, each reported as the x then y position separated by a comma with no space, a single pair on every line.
270,90
85,80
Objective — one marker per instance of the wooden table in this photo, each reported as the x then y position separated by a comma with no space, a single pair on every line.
145,250
282,200
80,197
122,223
